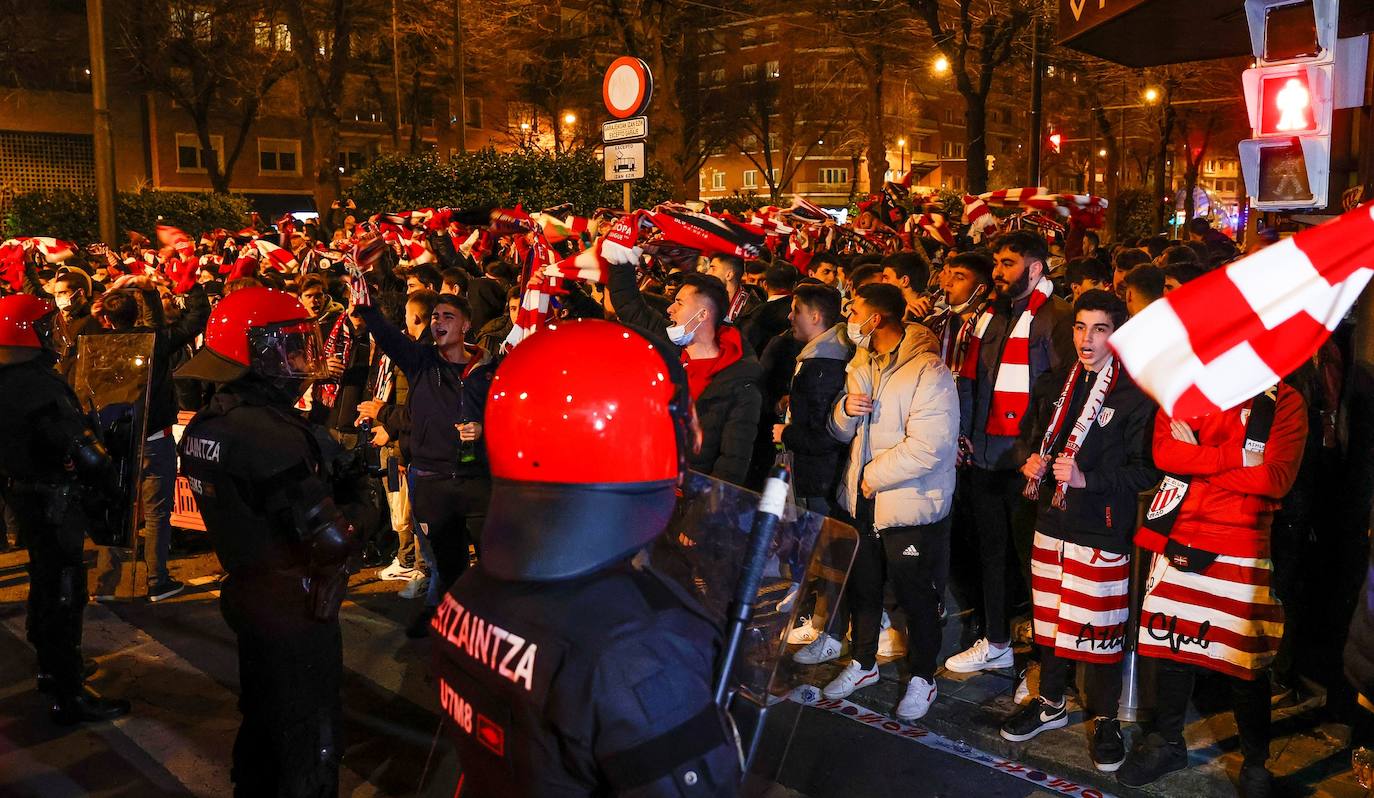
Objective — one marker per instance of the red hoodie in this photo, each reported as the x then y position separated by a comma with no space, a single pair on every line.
1228,507
701,370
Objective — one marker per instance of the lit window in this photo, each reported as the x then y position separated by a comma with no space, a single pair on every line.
833,176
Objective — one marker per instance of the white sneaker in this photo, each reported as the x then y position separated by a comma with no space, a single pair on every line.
416,587
1022,696
850,679
395,572
920,694
822,649
981,656
791,598
803,633
891,643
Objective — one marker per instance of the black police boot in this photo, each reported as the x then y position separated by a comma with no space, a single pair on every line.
87,706
47,685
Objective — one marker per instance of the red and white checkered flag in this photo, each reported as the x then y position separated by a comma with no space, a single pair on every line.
1232,333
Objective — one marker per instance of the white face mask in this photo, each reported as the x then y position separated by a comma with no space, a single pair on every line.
856,334
63,302
680,334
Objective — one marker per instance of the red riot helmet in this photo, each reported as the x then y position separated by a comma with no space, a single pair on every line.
261,331
25,324
586,428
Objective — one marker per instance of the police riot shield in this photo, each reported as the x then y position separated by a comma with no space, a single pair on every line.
112,381
705,549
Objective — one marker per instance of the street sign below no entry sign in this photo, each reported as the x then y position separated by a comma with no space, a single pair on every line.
636,127
624,161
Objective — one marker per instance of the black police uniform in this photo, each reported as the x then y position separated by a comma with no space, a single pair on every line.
257,471
592,686
41,425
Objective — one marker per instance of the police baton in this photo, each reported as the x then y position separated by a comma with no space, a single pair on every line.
741,609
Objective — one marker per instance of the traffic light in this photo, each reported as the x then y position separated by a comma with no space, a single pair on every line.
1055,141
1302,73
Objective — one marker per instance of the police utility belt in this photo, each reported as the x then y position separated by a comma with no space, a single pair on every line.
1187,558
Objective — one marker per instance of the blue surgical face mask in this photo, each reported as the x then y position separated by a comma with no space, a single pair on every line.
682,334
856,334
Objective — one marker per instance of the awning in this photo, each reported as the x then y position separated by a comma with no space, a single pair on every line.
274,206
1142,33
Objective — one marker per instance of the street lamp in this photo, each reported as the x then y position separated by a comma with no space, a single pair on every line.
1151,95
570,118
1102,153
902,143
941,65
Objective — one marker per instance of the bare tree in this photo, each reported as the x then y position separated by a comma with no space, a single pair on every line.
322,33
212,60
976,37
778,120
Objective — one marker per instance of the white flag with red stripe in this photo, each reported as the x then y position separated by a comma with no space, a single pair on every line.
1229,334
53,250
272,255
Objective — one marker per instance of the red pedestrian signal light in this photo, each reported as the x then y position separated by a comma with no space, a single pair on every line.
1286,105
1055,141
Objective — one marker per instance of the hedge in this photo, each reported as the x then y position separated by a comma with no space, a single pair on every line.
486,178
72,216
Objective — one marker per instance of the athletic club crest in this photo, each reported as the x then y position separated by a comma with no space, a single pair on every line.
1105,415
1168,497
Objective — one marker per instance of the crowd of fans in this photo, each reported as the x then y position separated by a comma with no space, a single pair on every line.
959,406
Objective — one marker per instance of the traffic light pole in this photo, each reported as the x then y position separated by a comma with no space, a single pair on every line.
1037,69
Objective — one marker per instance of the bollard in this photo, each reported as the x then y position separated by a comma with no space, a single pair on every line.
1137,677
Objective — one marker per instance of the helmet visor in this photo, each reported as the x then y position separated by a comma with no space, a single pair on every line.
290,349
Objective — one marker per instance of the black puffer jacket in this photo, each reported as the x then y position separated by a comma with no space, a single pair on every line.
1115,461
817,458
728,409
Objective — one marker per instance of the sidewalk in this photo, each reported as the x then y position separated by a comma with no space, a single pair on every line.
1305,760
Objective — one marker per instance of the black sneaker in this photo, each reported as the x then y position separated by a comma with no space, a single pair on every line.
1109,747
1255,781
1151,759
1033,718
165,589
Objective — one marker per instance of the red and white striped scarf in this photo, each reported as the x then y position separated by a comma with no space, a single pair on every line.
1102,385
1011,386
339,344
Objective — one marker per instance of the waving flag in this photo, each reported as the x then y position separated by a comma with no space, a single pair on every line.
53,250
1232,333
705,233
177,241
272,255
12,263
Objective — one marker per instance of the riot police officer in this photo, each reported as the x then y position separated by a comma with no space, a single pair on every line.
259,476
564,667
49,453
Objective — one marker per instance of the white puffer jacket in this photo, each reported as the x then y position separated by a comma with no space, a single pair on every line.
907,446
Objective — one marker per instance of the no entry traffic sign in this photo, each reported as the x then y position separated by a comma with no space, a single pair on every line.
627,87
